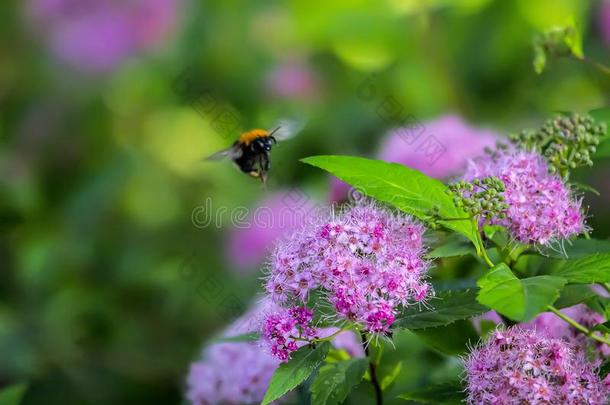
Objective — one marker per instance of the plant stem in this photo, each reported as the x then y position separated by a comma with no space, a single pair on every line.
331,337
481,248
577,326
601,67
372,371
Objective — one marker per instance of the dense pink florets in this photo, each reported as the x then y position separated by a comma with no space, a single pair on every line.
285,330
233,373
518,366
365,260
541,208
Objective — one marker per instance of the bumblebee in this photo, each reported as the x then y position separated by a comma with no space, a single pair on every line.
251,151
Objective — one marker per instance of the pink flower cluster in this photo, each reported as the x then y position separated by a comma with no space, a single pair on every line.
233,373
365,260
541,208
286,328
517,366
552,326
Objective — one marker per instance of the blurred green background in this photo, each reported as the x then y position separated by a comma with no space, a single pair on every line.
107,287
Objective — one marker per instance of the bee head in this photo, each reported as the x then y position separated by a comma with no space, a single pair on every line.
263,144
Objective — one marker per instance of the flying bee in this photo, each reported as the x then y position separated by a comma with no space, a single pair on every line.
251,151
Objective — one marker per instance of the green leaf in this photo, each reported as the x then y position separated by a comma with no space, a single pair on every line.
573,294
403,187
447,393
245,337
451,248
447,307
519,300
453,339
336,380
580,248
389,378
594,268
289,375
13,394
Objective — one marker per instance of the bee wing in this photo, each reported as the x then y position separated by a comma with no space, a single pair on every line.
233,152
286,129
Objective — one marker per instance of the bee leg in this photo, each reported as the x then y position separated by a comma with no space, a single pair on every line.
263,166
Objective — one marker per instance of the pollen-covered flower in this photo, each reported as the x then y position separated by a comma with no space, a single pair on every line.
517,366
541,208
365,260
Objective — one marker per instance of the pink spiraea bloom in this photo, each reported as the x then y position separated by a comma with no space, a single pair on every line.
96,36
604,21
239,373
541,209
284,330
457,141
233,373
552,326
367,260
279,214
518,366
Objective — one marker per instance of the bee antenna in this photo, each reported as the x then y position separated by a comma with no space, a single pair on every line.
275,130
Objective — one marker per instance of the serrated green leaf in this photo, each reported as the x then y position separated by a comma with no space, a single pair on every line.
451,248
447,307
244,337
289,375
520,300
594,268
336,380
573,294
447,393
403,187
13,394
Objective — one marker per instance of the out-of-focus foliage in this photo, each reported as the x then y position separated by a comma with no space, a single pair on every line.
111,277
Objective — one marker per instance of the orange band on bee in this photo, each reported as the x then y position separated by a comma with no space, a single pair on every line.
249,136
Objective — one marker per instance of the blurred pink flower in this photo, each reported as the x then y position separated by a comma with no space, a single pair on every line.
278,215
554,327
439,148
98,35
293,80
459,140
604,21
